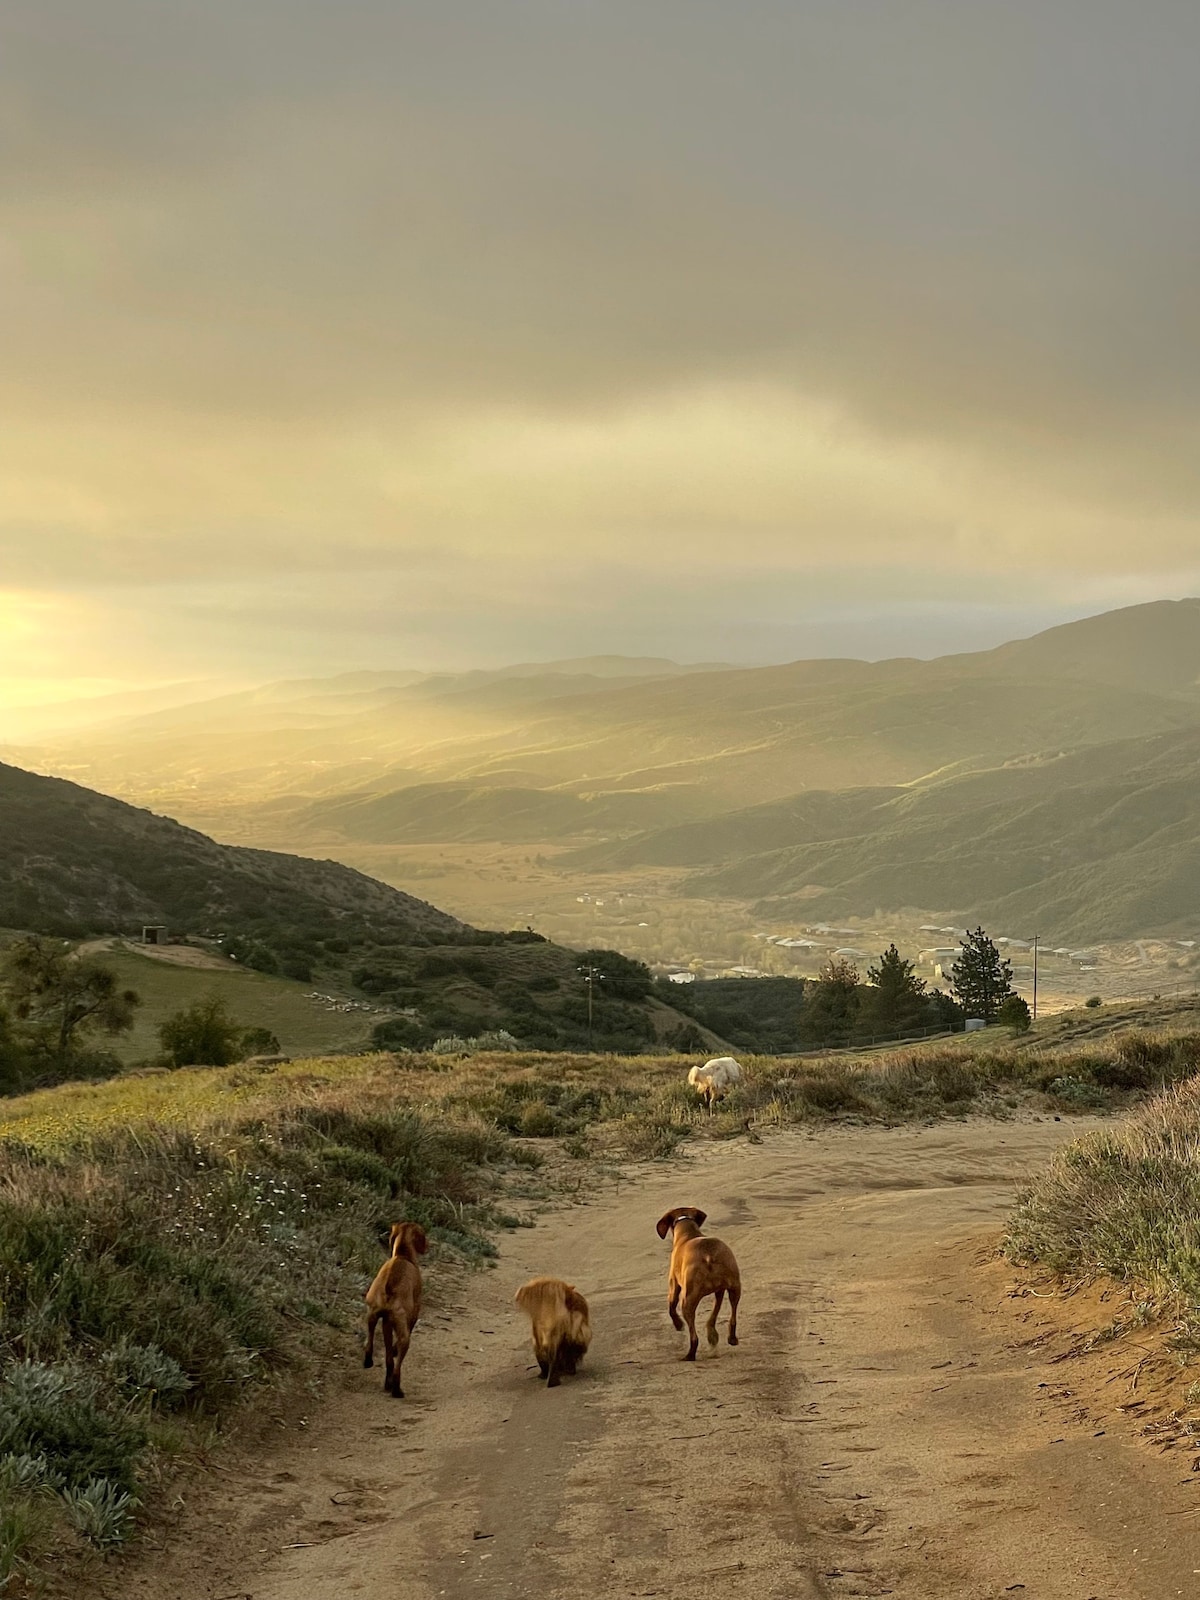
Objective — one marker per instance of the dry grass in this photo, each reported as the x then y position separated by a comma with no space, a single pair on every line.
1124,1203
642,1105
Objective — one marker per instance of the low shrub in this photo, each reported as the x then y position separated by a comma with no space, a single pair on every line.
1124,1202
164,1286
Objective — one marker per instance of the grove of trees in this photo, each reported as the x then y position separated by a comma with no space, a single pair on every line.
840,1009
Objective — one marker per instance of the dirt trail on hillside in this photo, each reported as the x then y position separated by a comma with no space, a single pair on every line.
174,955
878,1431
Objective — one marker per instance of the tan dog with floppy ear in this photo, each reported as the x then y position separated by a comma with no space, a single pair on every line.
395,1298
699,1267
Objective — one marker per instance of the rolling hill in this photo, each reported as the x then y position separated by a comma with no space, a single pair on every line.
74,863
700,741
463,813
1095,844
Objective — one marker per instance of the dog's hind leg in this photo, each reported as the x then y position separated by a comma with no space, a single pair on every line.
403,1338
369,1351
389,1354
552,1378
689,1316
711,1328
734,1296
674,1289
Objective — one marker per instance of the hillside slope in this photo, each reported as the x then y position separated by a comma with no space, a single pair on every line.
73,862
76,862
1153,648
1099,843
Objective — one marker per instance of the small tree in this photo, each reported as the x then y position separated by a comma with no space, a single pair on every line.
203,1034
1013,1012
831,1003
893,999
944,1012
63,996
980,978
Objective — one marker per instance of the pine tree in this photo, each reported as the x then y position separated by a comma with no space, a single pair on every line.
980,979
894,1000
831,1004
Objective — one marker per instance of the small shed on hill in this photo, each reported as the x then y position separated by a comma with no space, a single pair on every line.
154,933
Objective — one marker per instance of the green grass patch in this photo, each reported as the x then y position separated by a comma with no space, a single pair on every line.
253,999
167,1244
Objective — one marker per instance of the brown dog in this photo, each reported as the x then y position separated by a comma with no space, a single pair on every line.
395,1299
561,1329
699,1267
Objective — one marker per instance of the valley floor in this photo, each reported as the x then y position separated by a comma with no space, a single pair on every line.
884,1428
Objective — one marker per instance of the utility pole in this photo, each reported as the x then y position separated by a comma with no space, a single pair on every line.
590,975
1035,975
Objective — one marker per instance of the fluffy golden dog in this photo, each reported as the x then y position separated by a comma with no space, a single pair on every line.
561,1329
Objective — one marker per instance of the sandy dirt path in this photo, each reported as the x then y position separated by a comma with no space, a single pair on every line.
880,1430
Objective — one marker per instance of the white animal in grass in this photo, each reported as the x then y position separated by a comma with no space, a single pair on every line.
714,1079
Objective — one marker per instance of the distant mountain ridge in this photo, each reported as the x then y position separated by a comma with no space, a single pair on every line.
823,783
716,738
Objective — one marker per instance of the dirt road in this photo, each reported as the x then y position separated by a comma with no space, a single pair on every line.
878,1431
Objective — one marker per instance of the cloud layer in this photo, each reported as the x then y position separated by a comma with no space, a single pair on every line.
613,321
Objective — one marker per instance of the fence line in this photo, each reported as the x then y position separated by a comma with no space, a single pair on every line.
911,1036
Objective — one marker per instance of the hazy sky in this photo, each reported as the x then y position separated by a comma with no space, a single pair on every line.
348,333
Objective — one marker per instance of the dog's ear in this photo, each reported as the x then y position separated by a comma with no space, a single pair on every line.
397,1230
698,1217
666,1223
575,1301
416,1233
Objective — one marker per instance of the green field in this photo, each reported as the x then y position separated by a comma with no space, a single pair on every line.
302,1026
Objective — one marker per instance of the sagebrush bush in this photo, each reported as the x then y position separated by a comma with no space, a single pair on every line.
1123,1202
154,1269
63,1417
101,1512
